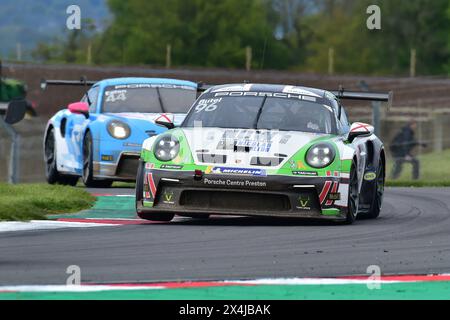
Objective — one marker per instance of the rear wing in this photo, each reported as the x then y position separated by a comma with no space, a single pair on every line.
82,82
202,87
365,96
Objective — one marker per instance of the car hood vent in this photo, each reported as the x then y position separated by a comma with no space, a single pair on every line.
266,161
212,158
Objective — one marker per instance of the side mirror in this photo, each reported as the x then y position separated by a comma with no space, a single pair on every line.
79,108
166,120
15,112
359,129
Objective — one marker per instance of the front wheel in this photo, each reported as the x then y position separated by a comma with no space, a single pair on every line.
152,216
353,196
377,201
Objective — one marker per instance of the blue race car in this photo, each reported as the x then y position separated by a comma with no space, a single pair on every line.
100,138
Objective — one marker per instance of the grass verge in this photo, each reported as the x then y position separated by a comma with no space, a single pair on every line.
34,201
434,171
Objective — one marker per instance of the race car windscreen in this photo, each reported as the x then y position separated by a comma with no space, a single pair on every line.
148,99
271,113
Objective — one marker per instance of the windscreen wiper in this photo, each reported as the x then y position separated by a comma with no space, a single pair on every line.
160,101
255,126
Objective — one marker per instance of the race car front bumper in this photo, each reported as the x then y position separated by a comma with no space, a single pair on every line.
191,193
123,169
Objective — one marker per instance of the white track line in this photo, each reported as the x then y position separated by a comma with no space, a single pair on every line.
74,288
312,281
12,226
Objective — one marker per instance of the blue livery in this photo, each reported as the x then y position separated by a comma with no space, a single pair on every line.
100,138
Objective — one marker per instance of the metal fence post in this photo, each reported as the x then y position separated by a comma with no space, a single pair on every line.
376,107
14,159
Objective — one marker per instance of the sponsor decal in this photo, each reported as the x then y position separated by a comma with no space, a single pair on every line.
237,171
245,87
292,164
326,188
370,176
149,165
285,139
299,90
303,203
300,165
153,85
334,190
151,187
168,197
247,140
107,157
171,167
334,196
234,183
305,173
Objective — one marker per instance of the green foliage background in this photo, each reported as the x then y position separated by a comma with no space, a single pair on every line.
283,34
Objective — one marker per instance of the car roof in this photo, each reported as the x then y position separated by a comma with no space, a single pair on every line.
275,88
137,80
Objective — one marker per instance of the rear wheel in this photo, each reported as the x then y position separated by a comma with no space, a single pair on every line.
88,167
51,171
152,216
353,196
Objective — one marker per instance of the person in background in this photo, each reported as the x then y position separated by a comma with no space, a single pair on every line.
401,148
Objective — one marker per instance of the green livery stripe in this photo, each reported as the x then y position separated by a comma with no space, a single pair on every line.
298,161
331,212
346,165
183,157
148,204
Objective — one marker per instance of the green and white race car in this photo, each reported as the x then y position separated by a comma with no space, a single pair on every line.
264,150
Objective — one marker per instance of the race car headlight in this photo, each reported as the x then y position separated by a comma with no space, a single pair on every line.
167,148
320,155
119,130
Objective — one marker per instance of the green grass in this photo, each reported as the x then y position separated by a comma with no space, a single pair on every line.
34,201
118,184
434,171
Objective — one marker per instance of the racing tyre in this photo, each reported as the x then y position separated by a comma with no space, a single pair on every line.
88,168
353,196
139,184
377,201
156,216
51,171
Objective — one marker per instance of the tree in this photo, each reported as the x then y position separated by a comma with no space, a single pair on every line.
201,32
406,24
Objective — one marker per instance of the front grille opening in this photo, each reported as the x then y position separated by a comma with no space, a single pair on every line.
128,166
233,200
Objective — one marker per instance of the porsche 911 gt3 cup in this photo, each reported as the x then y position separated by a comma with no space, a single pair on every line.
264,150
99,139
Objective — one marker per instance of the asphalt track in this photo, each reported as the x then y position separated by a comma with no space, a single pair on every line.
412,236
